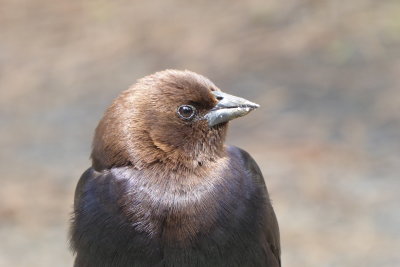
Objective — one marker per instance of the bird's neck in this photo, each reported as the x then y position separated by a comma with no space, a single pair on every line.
184,161
142,148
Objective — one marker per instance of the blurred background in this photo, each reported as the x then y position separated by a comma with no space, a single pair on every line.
327,135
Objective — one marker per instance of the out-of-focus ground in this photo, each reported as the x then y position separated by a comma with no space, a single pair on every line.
327,135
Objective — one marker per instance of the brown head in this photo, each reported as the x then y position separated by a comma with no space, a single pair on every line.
178,118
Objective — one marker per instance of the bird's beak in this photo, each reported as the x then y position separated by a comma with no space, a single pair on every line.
228,108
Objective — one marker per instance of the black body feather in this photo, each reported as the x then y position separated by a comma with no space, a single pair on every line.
244,231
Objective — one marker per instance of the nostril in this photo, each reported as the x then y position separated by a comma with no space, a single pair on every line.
219,98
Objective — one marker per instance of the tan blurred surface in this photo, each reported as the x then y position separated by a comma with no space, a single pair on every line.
326,74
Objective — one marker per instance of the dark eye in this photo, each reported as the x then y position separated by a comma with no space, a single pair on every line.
186,112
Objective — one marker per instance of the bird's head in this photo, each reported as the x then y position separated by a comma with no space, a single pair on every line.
172,117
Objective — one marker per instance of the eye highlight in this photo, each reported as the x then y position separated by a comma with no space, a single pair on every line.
186,112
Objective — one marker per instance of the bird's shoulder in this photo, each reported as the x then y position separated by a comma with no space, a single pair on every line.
91,182
101,188
271,231
247,162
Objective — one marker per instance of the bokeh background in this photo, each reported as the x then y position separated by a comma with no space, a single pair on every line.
327,135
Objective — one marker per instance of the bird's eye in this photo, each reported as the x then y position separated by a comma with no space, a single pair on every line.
186,112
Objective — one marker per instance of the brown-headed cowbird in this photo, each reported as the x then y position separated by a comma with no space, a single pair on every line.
163,190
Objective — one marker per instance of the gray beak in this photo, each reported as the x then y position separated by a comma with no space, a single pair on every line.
228,108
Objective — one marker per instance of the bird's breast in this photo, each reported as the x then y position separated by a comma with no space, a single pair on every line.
173,207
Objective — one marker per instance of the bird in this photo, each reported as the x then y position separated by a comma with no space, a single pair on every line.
165,190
